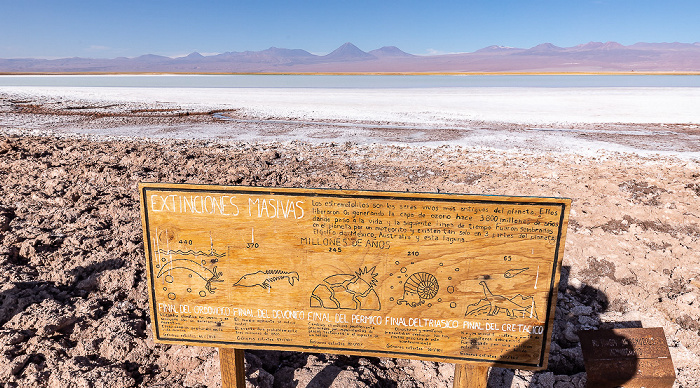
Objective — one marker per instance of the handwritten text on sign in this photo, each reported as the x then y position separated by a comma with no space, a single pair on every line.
457,278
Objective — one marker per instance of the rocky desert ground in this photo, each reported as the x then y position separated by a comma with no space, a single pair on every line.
73,302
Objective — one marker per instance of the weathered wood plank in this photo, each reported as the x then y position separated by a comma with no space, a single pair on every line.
232,367
456,278
471,376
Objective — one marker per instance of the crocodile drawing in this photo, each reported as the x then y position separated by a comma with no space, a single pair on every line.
264,278
514,272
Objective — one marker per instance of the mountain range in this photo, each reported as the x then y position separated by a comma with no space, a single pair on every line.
546,57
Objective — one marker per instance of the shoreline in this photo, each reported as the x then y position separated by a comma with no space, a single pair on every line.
494,73
125,114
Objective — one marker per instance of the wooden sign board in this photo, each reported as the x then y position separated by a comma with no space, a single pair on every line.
634,357
455,278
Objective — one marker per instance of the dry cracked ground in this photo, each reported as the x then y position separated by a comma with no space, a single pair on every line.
73,302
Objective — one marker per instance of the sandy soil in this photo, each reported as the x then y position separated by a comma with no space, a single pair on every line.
73,303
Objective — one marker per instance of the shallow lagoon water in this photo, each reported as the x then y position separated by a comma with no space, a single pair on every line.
353,81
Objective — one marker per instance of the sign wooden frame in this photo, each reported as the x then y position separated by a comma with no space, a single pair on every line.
282,246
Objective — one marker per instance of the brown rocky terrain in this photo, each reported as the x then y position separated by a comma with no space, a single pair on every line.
73,301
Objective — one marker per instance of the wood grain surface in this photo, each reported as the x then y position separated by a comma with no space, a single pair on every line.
444,277
232,364
471,376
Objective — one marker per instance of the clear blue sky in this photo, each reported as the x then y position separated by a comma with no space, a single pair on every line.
107,29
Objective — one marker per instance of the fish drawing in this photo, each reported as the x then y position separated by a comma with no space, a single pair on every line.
264,278
208,275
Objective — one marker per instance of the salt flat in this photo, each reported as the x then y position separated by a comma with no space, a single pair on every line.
572,120
440,106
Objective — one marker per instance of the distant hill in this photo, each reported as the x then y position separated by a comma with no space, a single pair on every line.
544,48
390,51
348,52
545,57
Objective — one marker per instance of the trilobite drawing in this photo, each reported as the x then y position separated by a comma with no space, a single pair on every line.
418,288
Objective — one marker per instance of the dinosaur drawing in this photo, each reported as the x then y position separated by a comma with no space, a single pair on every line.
493,304
264,278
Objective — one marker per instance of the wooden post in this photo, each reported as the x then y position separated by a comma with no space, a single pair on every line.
232,368
471,376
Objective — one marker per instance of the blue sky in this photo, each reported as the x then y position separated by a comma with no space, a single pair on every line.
108,29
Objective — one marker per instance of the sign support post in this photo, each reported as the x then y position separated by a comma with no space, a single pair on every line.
232,368
233,371
471,376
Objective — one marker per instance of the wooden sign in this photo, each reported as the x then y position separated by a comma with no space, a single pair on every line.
455,278
627,357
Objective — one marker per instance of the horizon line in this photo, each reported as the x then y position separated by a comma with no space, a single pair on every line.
495,73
